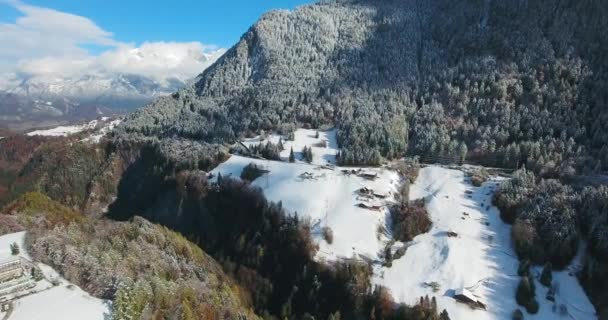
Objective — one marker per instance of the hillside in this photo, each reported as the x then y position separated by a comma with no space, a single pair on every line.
113,261
492,80
312,209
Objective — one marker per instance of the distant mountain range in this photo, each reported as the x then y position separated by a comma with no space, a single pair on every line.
48,100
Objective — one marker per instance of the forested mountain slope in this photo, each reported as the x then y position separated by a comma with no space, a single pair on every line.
505,82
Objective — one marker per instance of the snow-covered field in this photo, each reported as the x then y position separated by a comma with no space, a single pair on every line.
47,302
304,138
480,258
107,128
328,197
63,131
102,126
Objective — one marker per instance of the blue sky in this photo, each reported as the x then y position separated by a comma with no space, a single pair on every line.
219,22
158,39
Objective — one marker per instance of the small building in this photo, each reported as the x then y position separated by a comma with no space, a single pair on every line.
375,207
365,190
380,195
368,175
465,296
10,269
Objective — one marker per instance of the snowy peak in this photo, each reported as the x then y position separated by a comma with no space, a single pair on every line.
93,86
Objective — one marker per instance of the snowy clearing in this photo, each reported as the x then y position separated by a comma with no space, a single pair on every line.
107,128
102,127
324,194
480,259
64,131
305,138
45,301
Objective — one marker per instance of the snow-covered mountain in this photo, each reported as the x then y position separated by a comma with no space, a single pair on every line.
114,83
108,90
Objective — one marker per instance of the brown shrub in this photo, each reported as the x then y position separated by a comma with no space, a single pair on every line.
328,235
410,220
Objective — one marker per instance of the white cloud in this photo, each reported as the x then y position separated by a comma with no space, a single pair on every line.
48,42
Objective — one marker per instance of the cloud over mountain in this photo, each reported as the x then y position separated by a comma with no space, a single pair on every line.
47,42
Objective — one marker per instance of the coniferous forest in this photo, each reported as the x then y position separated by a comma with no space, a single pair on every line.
521,85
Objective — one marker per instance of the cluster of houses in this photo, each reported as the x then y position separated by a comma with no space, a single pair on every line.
14,280
370,199
361,173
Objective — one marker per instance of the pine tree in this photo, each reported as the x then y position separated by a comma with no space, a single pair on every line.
15,249
444,315
462,151
546,277
292,157
309,155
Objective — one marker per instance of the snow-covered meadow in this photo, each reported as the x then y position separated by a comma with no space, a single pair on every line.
64,131
46,301
324,194
101,127
480,258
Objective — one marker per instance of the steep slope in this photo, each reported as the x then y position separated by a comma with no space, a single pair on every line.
492,80
113,260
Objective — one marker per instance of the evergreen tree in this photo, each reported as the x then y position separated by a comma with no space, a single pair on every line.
444,315
546,277
517,315
15,249
292,157
309,155
526,296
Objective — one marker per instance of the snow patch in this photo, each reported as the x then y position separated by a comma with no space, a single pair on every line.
64,131
304,138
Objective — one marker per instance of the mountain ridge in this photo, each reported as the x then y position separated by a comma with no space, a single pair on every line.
394,80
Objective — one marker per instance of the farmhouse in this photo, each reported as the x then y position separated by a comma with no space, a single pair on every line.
368,175
10,269
465,296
